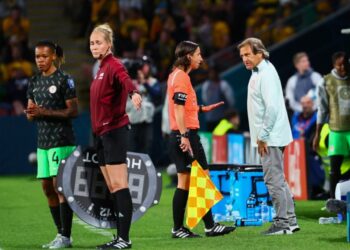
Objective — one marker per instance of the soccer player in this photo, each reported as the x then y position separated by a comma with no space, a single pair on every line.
333,105
52,103
108,95
184,141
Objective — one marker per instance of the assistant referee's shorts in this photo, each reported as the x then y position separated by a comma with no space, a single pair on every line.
111,147
183,160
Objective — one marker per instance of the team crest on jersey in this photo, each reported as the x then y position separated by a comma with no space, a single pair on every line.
70,83
100,77
52,89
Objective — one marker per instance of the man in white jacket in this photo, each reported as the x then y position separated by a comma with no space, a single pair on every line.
304,80
269,131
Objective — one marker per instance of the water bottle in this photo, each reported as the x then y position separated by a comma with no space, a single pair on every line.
251,207
229,207
248,222
329,220
258,212
264,212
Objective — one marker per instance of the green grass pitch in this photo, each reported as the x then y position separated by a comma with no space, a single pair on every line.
25,223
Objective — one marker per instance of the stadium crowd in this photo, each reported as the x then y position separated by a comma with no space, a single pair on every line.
151,28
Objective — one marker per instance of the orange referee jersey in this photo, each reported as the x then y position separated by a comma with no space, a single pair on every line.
179,81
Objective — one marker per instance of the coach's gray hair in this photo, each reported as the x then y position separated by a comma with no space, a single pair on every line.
256,45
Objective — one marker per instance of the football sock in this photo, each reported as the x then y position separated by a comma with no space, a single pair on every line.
179,206
66,218
208,220
122,200
55,212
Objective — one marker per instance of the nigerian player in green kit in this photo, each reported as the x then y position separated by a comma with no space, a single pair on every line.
52,103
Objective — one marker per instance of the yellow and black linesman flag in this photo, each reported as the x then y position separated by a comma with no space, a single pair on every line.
202,195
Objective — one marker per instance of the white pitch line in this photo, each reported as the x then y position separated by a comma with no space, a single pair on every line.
95,230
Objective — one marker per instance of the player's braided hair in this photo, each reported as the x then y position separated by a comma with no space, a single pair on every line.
55,48
183,49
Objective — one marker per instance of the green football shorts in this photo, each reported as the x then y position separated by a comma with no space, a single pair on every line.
339,143
49,160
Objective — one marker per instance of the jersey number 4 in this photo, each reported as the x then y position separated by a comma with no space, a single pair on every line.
55,157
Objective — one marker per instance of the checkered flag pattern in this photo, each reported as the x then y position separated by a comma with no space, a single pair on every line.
202,195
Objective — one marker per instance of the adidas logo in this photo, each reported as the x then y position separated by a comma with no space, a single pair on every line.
120,215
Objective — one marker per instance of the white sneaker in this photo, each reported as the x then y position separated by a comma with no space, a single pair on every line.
294,227
62,242
48,245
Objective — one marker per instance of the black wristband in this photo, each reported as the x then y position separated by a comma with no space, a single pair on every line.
200,108
185,135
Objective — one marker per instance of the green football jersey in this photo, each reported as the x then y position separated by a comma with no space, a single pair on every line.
51,92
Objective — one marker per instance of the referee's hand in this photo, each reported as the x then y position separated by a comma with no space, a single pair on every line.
186,146
212,106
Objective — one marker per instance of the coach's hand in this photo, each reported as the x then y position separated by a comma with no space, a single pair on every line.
211,107
262,148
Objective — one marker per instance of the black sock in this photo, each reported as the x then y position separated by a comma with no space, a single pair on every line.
179,206
122,199
55,212
66,218
116,212
208,220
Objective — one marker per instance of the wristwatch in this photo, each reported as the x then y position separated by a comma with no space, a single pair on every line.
185,135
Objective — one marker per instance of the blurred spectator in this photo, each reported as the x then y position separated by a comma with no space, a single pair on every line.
79,11
104,11
18,61
18,70
220,33
324,8
164,52
129,4
204,33
304,122
304,126
216,90
141,120
134,19
281,31
3,73
16,25
301,82
17,87
133,46
161,14
229,124
7,5
150,83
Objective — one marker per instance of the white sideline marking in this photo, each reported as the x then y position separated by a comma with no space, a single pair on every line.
95,230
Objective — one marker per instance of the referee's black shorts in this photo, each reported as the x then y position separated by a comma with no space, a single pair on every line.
111,147
183,160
